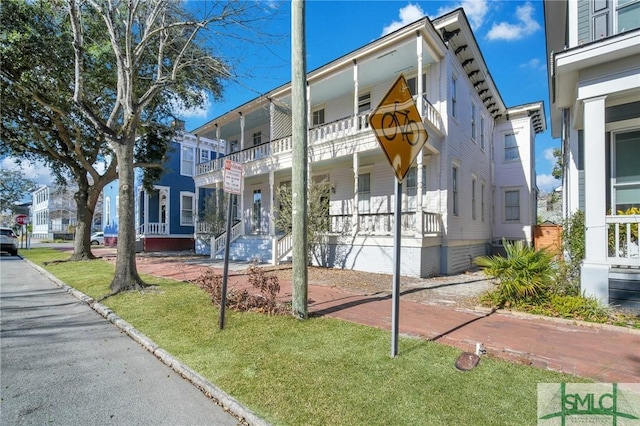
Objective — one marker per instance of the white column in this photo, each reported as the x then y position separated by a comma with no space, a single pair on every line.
241,132
419,88
271,114
356,94
595,269
272,204
420,159
354,227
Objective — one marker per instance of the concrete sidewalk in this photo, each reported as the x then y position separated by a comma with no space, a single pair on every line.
600,352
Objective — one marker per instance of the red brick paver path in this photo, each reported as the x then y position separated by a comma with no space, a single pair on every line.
602,353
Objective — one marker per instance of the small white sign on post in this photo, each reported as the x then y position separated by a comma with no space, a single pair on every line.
232,177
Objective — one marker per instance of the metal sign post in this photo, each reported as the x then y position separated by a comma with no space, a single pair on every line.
232,186
401,134
395,307
225,274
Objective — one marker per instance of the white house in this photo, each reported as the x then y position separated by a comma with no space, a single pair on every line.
594,79
472,183
53,212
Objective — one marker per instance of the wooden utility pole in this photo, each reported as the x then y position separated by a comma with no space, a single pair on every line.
299,173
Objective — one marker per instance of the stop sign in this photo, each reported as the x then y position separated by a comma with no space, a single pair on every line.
22,219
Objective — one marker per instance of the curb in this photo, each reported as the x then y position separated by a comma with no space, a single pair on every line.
565,321
222,398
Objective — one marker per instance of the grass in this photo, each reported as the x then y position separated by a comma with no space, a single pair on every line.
320,371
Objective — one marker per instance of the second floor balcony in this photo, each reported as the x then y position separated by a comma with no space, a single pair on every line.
338,138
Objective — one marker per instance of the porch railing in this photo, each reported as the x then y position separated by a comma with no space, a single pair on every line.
153,228
218,243
326,132
281,247
382,223
623,233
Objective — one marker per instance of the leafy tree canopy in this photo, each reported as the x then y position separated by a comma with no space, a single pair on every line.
14,187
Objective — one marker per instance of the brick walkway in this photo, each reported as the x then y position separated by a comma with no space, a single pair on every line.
600,352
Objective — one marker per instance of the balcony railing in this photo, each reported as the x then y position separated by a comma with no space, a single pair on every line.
622,232
153,228
338,129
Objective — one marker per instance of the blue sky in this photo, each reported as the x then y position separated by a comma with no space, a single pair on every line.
510,34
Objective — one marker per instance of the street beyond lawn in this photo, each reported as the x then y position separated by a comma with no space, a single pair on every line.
320,371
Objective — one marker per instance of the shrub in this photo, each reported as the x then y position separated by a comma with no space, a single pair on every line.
523,274
575,307
242,300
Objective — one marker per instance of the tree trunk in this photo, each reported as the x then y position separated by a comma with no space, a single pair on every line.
85,207
126,276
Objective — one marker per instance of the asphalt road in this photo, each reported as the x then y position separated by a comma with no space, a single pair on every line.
63,364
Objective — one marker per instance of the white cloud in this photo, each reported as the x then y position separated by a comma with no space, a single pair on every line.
547,183
408,14
37,171
534,64
525,25
181,111
476,10
548,155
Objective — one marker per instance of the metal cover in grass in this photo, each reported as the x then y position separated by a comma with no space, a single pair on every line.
466,361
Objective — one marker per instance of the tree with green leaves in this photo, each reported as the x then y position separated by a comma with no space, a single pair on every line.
41,122
14,187
557,167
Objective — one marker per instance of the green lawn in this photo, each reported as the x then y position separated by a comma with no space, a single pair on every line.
321,371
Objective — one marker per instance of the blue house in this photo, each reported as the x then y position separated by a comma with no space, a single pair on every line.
166,216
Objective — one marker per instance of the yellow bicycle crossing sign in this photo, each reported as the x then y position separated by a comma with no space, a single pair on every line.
398,127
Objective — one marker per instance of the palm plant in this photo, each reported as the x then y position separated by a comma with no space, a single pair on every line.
523,274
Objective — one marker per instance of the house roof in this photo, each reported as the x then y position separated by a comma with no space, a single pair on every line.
458,35
379,59
535,110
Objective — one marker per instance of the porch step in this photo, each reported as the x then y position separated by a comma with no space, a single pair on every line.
249,248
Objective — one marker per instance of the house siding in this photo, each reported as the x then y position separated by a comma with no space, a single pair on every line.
584,24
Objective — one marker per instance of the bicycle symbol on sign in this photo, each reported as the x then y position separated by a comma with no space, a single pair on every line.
409,129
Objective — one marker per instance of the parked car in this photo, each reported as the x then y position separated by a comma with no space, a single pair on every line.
97,239
8,241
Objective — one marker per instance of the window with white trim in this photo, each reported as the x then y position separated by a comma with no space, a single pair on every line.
364,193
626,173
454,189
317,117
186,161
205,155
482,202
511,148
364,102
482,133
454,96
257,138
473,197
187,207
512,205
233,146
412,188
473,121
